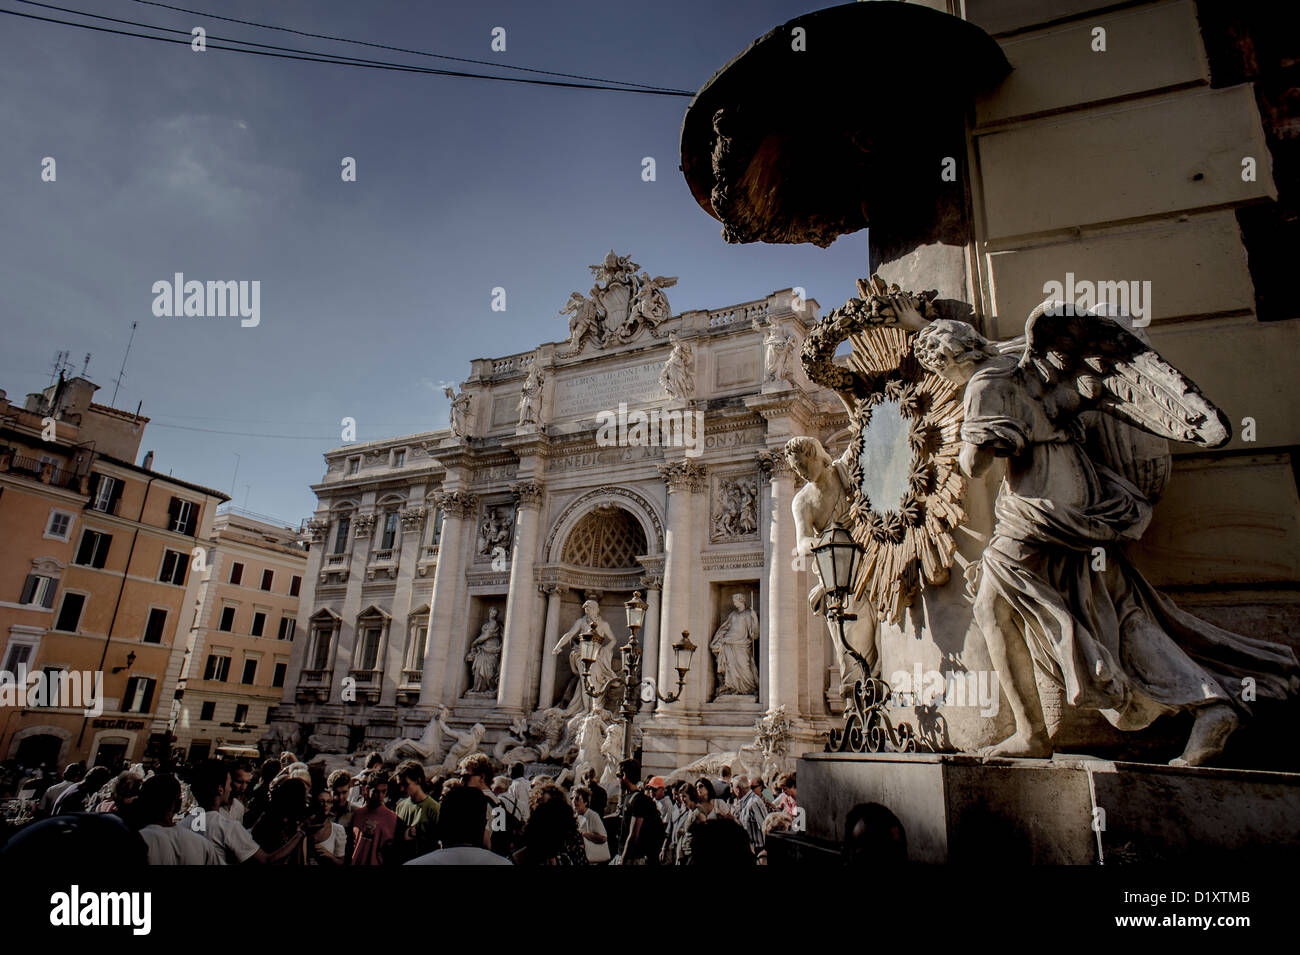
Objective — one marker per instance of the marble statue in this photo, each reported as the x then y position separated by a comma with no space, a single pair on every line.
586,321
530,397
1053,590
427,748
678,375
459,411
466,743
649,305
484,657
602,669
539,738
496,531
737,513
778,349
824,499
733,650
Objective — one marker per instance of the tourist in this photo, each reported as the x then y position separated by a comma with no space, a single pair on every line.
166,842
436,783
417,810
519,791
658,791
722,784
750,809
328,842
73,773
261,794
777,821
241,774
374,825
599,794
80,797
374,763
463,824
786,801
873,836
642,827
551,836
283,823
590,827
668,856
287,759
210,785
123,792
710,806
720,841
689,818
475,770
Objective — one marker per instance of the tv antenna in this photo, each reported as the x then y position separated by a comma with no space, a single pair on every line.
122,374
59,364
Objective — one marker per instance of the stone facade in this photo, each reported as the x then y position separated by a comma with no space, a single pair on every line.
416,540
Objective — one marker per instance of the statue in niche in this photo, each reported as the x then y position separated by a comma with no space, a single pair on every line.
1053,590
778,349
827,497
733,650
530,397
459,411
484,657
678,375
496,531
602,669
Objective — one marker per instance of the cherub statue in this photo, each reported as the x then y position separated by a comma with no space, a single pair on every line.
1054,590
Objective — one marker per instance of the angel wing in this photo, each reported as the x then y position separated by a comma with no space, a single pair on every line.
1088,361
663,281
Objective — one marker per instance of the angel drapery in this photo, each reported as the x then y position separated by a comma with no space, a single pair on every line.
1095,627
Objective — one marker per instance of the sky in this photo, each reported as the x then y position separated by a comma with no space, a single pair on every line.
373,293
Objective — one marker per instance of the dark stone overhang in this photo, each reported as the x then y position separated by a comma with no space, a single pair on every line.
786,145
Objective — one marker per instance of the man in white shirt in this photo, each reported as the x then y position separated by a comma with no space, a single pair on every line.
520,792
591,827
72,774
211,789
463,825
166,842
240,777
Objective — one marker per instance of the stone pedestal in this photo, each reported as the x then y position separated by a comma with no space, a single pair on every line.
1067,810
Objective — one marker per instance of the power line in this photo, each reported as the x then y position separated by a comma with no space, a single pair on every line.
399,49
336,59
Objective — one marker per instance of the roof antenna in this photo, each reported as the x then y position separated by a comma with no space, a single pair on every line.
85,364
121,374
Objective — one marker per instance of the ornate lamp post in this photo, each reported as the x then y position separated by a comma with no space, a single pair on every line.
837,555
635,690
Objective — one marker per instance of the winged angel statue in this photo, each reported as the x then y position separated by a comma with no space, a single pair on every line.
1053,589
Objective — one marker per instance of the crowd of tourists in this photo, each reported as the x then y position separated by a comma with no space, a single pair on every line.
289,813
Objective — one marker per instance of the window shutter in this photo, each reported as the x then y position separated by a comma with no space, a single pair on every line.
92,487
172,510
182,566
193,522
102,544
148,695
114,496
48,602
86,551
129,695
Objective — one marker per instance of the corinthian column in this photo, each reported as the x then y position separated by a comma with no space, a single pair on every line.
520,635
458,508
546,685
783,599
685,480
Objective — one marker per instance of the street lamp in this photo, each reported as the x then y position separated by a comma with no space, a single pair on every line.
635,690
837,556
130,662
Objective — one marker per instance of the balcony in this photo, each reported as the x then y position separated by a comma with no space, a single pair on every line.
408,691
44,471
368,684
314,685
383,563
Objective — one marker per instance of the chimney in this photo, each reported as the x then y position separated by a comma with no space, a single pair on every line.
148,461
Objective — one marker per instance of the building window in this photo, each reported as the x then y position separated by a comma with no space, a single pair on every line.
268,578
259,623
227,619
236,572
277,678
399,457
218,667
70,613
437,527
173,567
415,649
287,625
18,654
341,535
321,637
183,516
295,585
390,531
59,526
138,695
39,591
105,494
208,710
250,671
368,647
353,465
241,713
93,549
157,625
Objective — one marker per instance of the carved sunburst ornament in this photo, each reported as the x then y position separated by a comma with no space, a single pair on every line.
906,423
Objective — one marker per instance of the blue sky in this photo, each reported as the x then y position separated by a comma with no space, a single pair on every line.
373,293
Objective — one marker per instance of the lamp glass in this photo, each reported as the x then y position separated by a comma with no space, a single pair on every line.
588,647
683,652
635,608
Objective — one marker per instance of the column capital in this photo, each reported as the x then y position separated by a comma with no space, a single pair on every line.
363,524
412,517
318,530
460,504
652,582
772,463
688,476
528,493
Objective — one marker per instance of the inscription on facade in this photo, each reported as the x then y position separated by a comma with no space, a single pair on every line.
604,457
588,394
